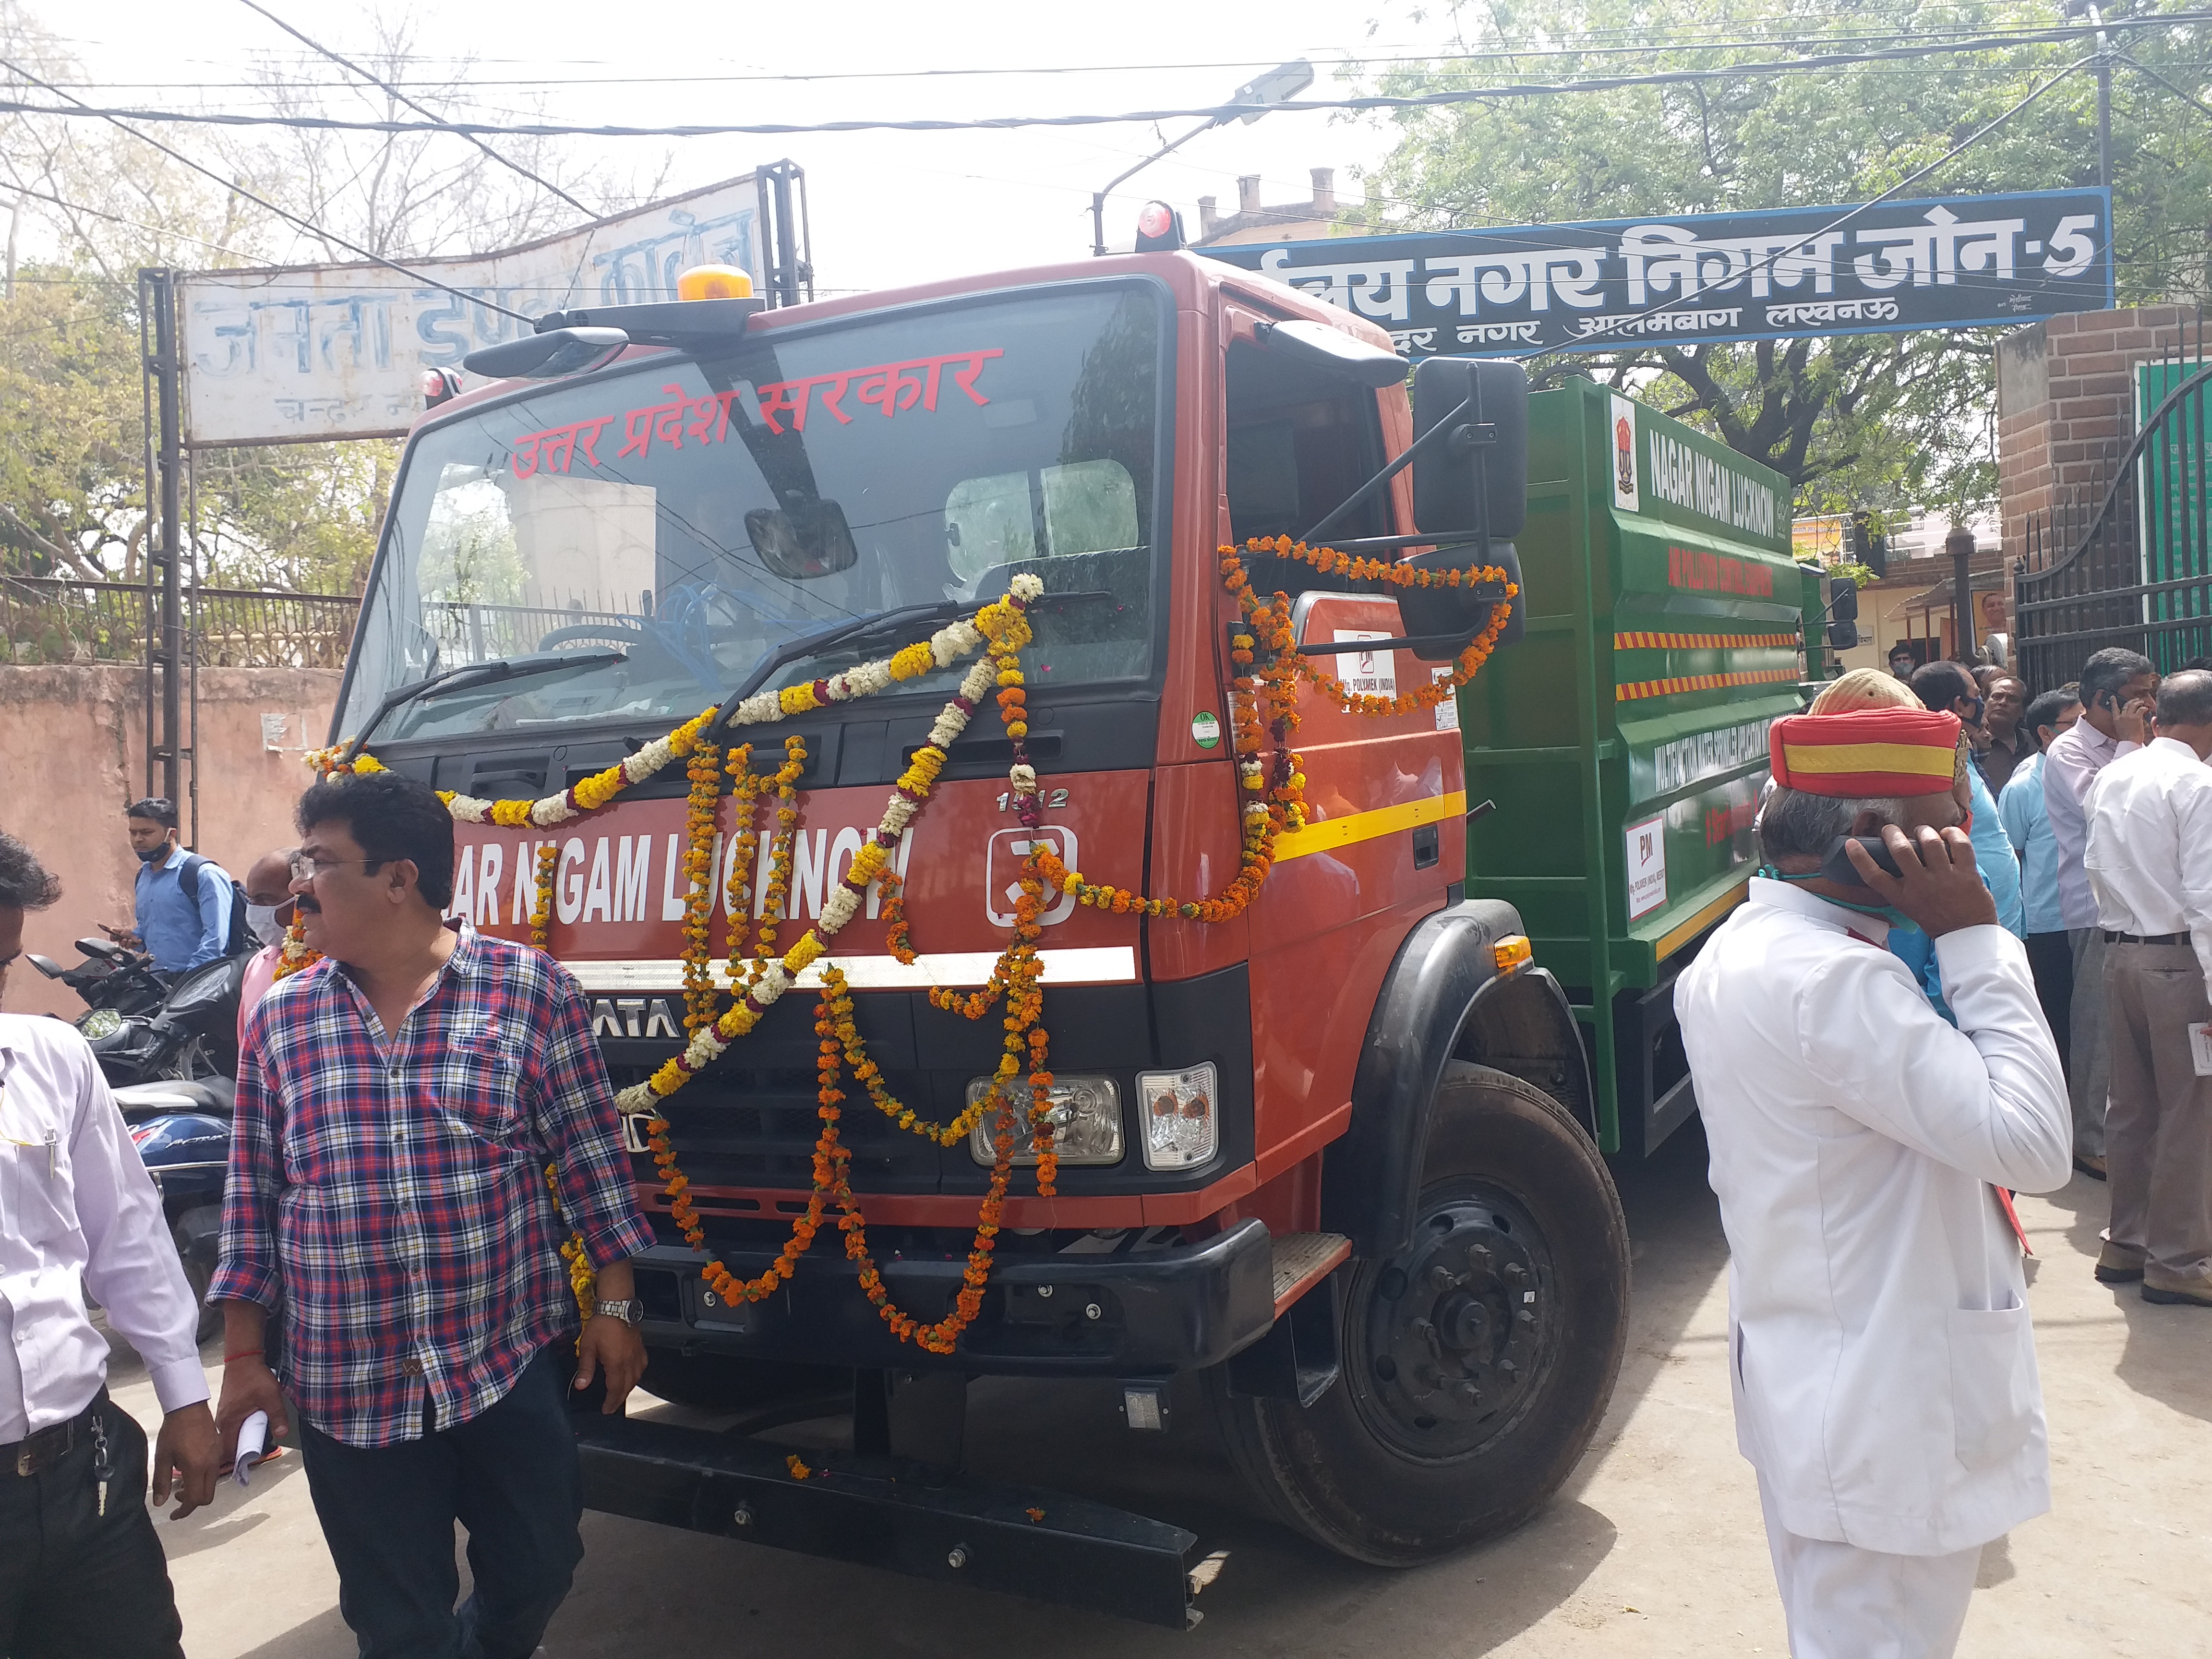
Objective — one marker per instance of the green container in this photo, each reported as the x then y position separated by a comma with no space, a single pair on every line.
1624,741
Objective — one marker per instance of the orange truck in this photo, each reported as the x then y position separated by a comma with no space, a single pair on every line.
1327,1161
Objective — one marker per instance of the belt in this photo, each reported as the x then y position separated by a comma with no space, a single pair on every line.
2146,938
49,1445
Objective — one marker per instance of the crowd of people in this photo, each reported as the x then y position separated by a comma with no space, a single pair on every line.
1977,960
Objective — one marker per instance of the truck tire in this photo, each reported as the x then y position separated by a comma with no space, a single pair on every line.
1476,1365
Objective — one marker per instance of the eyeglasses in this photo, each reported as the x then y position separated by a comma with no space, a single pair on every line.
308,869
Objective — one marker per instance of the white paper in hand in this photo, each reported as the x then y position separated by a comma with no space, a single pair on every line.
2200,1048
252,1440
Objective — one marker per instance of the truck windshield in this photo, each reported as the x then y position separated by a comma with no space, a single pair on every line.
698,513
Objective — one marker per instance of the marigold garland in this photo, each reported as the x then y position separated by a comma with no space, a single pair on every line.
1264,716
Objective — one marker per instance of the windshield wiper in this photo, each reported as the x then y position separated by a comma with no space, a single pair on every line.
469,674
857,627
861,628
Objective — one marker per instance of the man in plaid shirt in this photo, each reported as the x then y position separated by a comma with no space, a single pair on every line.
397,1103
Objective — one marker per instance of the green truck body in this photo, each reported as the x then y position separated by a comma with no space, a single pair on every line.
1624,744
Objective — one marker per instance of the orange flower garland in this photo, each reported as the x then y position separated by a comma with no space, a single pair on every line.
1264,713
541,906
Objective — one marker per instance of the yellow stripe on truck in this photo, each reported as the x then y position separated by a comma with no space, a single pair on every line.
1333,833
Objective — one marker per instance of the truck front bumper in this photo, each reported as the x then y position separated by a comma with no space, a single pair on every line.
1180,1309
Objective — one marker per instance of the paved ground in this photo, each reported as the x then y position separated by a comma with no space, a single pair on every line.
1653,1549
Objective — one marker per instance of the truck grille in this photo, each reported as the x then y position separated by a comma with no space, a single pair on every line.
756,1127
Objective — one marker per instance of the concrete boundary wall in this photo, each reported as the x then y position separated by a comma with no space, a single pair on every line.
72,755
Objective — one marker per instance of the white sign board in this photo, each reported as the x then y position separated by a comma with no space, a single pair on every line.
1647,866
311,352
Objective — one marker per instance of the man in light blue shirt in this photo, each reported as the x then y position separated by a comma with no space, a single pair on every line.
1947,688
2027,823
179,927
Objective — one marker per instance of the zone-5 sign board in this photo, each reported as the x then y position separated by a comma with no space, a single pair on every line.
1617,284
309,352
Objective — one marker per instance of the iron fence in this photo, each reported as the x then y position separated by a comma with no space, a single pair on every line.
2129,561
49,619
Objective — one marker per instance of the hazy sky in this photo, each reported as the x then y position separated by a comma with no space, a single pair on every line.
885,208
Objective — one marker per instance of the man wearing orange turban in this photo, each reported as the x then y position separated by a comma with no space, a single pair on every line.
1882,1363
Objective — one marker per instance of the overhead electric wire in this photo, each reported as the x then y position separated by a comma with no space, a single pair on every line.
1217,112
131,224
365,74
2024,35
307,225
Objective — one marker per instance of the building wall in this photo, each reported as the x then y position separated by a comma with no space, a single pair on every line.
73,754
2066,406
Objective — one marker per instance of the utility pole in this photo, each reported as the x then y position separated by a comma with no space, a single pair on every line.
157,293
1272,88
1960,545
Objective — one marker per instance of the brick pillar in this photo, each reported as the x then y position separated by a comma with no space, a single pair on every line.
2066,407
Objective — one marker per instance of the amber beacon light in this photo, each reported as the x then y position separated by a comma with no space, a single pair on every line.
715,283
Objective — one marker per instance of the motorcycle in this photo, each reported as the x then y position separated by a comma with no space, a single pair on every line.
145,1027
182,1127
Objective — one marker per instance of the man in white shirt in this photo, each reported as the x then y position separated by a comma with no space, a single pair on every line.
1882,1363
2150,859
2118,687
80,1570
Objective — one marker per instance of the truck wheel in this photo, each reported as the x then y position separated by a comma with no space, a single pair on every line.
1477,1364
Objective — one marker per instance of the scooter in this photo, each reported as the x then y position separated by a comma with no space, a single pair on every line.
142,1029
182,1127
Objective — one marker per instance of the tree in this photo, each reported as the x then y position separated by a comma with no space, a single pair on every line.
72,485
1880,419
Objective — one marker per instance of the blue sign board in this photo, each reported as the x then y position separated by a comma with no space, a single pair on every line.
1618,284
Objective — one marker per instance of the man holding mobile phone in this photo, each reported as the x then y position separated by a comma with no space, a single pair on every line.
2150,862
2118,689
1881,1360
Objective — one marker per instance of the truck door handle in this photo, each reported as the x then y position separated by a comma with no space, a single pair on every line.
1426,849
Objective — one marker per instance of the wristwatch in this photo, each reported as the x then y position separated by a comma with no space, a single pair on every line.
631,1312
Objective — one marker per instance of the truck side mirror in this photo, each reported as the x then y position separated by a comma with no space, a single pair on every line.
1475,480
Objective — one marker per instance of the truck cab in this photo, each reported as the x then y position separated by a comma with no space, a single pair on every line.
1335,1158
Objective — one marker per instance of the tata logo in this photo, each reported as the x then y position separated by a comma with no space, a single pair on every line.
635,1016
1002,888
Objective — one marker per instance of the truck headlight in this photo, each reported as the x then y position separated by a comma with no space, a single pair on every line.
1183,1126
1085,1115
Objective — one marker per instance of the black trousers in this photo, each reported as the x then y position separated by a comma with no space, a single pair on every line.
2050,959
75,1583
509,1476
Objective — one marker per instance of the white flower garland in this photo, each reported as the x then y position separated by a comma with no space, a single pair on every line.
709,1043
947,646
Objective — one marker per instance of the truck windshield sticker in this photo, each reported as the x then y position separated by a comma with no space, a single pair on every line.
890,386
705,420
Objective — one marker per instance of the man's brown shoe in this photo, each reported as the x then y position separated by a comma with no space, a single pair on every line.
2195,1290
2092,1167
2119,1264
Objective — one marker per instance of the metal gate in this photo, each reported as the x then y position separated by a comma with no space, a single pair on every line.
2129,562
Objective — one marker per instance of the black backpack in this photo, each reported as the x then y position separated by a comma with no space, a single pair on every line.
239,937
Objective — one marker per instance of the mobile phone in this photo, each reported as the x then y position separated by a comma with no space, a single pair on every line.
1837,865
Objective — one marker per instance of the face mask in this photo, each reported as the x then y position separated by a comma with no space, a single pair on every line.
147,854
1888,913
261,922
